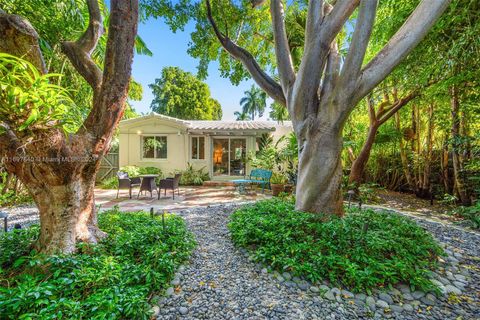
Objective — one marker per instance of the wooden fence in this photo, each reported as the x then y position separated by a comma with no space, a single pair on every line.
109,166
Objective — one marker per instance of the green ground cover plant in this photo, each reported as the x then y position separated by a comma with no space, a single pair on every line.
362,251
114,279
470,214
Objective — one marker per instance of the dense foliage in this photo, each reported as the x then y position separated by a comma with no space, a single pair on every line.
182,95
112,280
192,176
365,250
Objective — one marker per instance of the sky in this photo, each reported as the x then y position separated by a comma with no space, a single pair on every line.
170,49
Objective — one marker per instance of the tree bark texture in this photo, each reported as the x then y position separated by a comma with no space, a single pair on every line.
60,171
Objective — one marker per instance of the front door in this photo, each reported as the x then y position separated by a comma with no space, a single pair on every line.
229,156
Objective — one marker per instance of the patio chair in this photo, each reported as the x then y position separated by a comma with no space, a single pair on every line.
125,182
170,183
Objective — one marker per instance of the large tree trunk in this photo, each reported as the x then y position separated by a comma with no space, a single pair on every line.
320,173
67,214
358,166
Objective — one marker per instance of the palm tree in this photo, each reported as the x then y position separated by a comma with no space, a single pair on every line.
254,102
278,112
241,116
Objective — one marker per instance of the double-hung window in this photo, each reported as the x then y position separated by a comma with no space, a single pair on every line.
198,148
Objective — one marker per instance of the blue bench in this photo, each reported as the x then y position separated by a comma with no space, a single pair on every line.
257,176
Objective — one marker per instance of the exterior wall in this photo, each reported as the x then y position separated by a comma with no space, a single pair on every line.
131,141
179,145
281,130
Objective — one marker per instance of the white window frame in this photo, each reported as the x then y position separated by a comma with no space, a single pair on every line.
197,138
142,138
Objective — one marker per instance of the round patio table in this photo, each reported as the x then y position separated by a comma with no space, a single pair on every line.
148,184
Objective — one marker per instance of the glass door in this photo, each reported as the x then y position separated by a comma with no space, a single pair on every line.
229,156
238,152
220,157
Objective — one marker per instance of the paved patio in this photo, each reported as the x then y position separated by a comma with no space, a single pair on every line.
189,197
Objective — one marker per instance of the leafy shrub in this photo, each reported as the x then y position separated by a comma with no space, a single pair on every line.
109,183
363,250
111,280
192,176
472,214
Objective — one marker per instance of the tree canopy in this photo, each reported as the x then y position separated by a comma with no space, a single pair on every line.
182,95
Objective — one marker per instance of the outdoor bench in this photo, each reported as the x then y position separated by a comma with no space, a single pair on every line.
257,176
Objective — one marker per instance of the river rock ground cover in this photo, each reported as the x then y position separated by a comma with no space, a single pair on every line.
223,282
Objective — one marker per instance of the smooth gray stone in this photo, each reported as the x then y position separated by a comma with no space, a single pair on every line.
314,289
169,291
382,304
396,309
385,297
407,307
418,294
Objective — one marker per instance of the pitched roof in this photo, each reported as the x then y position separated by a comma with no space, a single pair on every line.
231,125
215,125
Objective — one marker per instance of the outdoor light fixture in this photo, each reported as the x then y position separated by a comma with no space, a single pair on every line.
139,132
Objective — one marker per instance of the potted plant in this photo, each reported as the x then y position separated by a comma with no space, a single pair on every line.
277,182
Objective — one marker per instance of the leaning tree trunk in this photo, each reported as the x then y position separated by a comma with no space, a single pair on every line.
358,166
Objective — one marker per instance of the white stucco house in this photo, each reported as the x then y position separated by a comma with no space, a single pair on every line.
170,144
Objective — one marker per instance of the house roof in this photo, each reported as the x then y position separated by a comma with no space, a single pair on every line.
231,125
213,125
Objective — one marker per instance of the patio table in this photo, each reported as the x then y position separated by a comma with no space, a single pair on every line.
148,184
241,184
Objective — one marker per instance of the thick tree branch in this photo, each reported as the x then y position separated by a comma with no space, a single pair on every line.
79,52
339,14
19,38
400,45
8,139
109,103
358,46
332,71
264,81
313,26
323,25
282,50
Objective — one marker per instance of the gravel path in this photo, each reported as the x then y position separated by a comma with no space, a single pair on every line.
220,282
